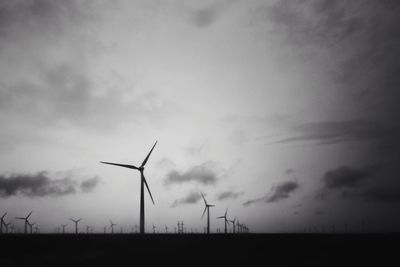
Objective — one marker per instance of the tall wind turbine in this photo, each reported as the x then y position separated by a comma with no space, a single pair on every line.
2,222
207,208
76,224
112,226
26,222
142,183
225,219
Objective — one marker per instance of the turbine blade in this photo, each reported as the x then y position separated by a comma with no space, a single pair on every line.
19,218
148,155
28,215
205,202
204,212
226,211
4,215
220,217
148,189
121,165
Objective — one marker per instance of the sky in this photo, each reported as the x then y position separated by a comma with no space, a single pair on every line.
283,112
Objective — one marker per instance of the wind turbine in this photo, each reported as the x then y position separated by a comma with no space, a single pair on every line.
233,223
6,225
142,183
207,208
26,222
112,226
2,222
76,224
63,227
31,226
225,219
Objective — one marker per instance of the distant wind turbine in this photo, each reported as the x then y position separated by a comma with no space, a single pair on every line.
63,227
112,226
6,225
225,219
233,224
2,222
26,221
207,208
142,183
76,224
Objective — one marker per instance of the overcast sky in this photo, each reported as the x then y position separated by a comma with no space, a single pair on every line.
284,112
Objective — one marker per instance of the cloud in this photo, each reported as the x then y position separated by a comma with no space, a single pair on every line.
371,183
229,195
278,192
346,177
89,184
204,17
330,132
282,191
203,174
191,198
40,184
289,171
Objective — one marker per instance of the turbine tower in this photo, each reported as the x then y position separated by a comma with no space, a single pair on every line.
225,219
26,222
2,222
76,224
207,208
142,183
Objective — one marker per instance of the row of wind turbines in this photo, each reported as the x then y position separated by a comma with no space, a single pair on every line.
241,228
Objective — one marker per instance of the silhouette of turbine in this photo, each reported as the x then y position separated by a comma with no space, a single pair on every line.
225,219
207,208
112,226
63,226
142,183
2,222
233,224
26,221
6,225
76,224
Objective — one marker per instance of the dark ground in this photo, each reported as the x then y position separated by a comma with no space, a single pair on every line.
200,250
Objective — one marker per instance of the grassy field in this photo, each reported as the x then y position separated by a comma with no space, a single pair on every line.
199,250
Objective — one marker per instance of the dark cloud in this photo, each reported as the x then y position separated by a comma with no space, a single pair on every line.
202,174
191,198
89,184
204,17
347,177
229,195
278,192
372,183
252,201
289,171
282,191
40,184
